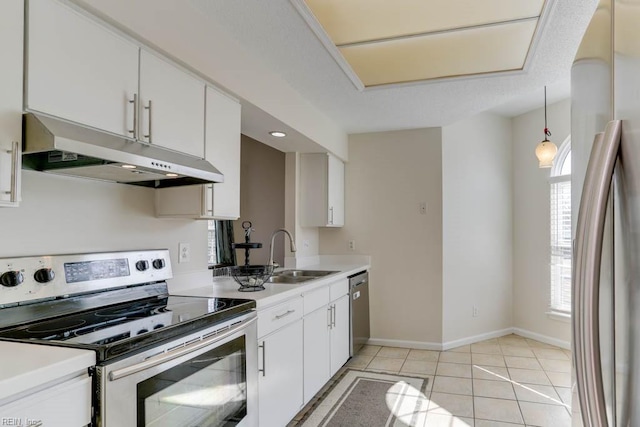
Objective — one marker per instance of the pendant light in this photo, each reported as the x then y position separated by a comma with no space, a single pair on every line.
546,150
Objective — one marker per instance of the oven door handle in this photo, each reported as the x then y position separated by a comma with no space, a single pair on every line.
174,354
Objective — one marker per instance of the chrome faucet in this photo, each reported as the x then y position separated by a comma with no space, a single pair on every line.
292,246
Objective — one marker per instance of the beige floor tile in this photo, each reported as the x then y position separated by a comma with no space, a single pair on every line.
513,340
442,420
487,359
537,394
453,370
496,389
550,353
486,348
394,352
522,362
369,350
492,373
485,423
497,410
425,355
418,367
452,357
538,344
489,341
565,394
360,361
452,385
385,364
538,414
461,349
509,350
560,379
528,376
556,365
451,404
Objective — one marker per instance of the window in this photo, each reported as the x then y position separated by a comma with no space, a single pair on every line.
560,182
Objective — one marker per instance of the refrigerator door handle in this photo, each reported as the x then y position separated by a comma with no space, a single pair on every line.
586,275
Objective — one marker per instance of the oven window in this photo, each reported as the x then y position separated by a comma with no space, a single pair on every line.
208,390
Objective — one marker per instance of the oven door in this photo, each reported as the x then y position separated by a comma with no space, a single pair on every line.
204,379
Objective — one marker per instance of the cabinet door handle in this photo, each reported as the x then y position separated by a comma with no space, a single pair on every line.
331,215
16,160
288,312
134,101
263,346
333,316
329,315
149,136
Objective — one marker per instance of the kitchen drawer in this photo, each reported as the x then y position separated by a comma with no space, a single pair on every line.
315,299
339,288
274,318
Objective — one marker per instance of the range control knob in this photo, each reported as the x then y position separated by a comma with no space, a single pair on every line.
158,263
11,278
44,275
142,265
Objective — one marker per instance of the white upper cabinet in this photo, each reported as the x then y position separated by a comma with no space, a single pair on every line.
171,106
222,149
322,190
79,69
11,31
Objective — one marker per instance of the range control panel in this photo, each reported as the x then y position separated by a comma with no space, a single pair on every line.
34,278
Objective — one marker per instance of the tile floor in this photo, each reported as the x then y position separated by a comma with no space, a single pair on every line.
499,382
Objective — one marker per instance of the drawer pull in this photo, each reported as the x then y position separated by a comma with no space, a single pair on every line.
288,312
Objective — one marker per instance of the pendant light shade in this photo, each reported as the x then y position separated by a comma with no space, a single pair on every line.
546,150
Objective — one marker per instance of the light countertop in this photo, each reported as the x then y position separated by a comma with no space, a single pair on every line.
202,284
28,366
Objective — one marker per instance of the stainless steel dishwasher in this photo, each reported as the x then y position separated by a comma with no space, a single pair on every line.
359,306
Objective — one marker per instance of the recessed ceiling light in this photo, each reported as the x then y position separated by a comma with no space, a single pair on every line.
171,175
277,134
128,166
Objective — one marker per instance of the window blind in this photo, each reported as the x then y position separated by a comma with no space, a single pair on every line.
561,250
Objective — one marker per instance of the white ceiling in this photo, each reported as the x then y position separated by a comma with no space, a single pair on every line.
274,32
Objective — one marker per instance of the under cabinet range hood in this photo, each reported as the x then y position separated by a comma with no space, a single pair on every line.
65,148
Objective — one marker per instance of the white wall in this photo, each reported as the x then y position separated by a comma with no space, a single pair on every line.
60,215
476,226
388,175
531,233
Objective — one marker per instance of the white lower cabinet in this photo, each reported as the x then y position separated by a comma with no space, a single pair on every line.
280,375
316,351
326,335
340,333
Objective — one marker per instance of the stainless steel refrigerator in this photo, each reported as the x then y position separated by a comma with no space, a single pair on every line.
605,142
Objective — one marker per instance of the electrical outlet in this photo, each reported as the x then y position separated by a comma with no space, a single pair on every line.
184,252
352,245
423,208
475,311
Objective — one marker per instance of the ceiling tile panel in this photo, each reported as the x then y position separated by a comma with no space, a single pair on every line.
474,51
355,21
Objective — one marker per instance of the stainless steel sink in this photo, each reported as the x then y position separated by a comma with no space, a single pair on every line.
305,273
290,280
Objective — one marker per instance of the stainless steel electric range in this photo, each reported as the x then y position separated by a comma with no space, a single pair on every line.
161,359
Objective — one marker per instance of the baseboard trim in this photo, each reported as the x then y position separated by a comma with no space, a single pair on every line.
421,345
418,345
476,338
543,338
